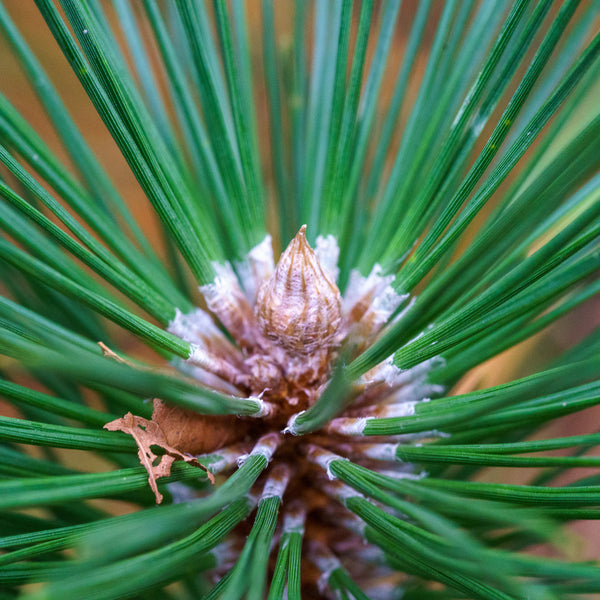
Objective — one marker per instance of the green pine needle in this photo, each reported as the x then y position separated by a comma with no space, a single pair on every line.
376,427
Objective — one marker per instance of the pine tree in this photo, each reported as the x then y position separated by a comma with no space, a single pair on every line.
288,385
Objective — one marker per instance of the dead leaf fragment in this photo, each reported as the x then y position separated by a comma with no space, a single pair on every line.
192,432
147,434
108,353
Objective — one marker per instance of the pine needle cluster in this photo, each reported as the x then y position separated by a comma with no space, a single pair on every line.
288,389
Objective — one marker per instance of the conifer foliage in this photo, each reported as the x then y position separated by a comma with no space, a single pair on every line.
286,387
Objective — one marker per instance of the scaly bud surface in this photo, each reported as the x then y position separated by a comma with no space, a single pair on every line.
298,307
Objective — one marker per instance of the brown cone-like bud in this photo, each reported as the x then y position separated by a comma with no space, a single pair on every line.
299,307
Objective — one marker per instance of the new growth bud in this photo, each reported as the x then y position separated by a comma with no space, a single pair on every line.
299,307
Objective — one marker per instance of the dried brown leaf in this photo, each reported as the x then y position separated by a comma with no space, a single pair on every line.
147,434
195,433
